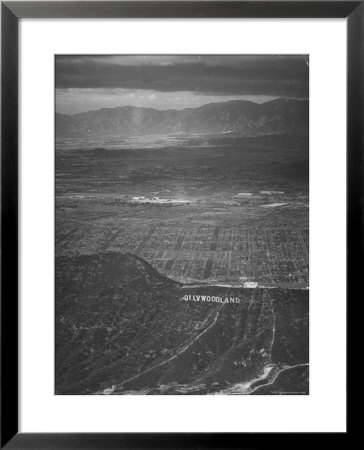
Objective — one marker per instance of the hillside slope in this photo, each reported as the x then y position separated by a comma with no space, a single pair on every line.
122,328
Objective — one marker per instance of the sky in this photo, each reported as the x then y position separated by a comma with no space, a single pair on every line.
90,82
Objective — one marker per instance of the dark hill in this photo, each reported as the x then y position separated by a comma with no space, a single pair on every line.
116,270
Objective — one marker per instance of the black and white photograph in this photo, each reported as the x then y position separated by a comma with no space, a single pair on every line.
182,224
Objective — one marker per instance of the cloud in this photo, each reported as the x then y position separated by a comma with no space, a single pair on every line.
270,75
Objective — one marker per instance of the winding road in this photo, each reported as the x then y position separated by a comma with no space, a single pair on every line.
190,342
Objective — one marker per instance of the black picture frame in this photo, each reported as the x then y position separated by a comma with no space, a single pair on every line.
11,13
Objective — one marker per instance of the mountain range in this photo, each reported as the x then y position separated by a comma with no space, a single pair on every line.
276,117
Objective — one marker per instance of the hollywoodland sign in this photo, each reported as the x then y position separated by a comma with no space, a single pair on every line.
209,298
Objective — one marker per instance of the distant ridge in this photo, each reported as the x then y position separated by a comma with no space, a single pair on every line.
281,116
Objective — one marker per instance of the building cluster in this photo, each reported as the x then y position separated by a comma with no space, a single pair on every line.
203,252
160,201
221,254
